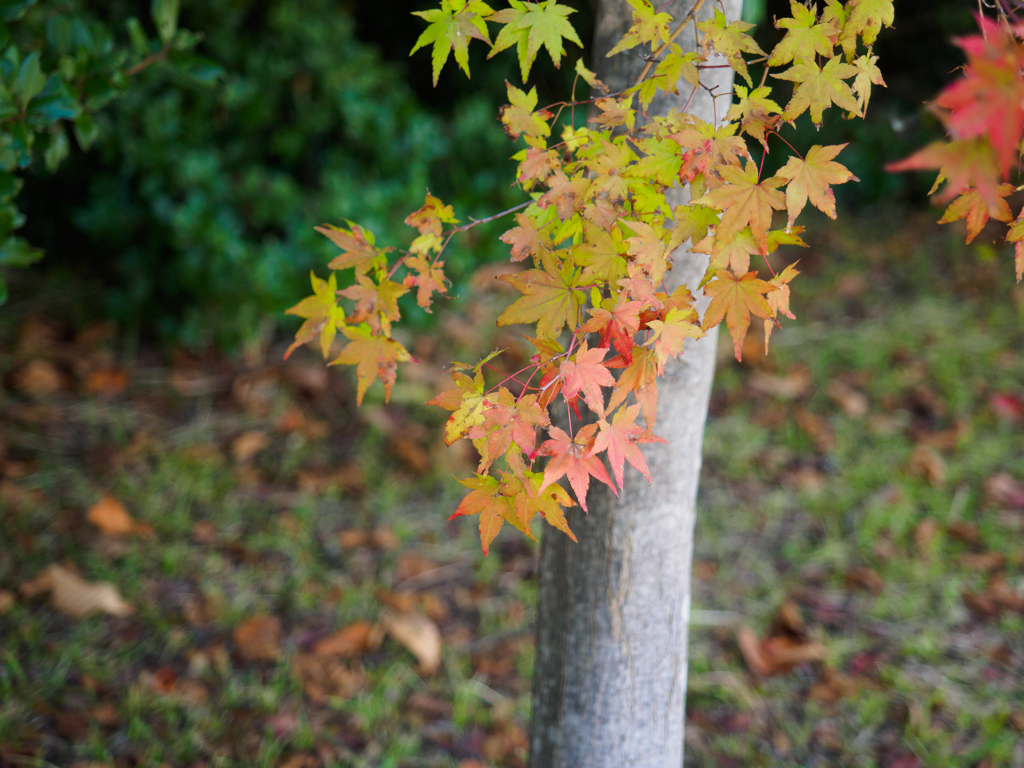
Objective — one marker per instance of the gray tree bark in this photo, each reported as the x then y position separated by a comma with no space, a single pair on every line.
610,672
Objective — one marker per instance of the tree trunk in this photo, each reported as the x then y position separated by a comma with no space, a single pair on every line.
610,673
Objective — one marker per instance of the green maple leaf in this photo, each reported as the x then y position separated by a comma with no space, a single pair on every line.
528,26
818,88
322,313
745,201
649,26
866,18
519,117
451,27
810,177
692,223
734,299
660,160
867,74
374,357
754,111
730,40
601,254
549,299
804,38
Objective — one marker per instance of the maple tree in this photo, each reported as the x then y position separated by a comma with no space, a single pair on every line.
983,113
600,233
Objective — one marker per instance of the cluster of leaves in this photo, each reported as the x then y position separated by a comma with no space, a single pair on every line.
983,112
58,67
601,233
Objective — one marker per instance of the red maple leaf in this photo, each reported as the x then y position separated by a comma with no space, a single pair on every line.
617,325
587,375
570,458
620,438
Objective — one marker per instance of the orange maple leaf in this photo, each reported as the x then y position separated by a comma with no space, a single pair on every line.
735,299
810,177
745,200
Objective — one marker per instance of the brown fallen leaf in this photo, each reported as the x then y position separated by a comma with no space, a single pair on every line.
832,686
106,382
258,638
860,576
791,386
38,378
413,564
963,531
851,402
322,677
112,518
75,597
997,597
379,538
1004,491
926,462
983,561
6,601
817,428
924,535
419,635
167,684
352,640
249,444
399,601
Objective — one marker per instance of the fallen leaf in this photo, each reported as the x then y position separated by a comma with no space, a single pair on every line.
75,597
925,462
925,534
352,640
322,677
997,597
38,378
247,445
832,686
983,561
1005,491
166,684
411,454
204,532
412,564
792,386
418,634
817,428
1008,408
258,638
6,601
399,601
106,382
851,402
112,518
860,576
778,654
428,706
963,531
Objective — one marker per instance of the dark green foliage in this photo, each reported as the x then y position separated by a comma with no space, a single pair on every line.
197,206
59,66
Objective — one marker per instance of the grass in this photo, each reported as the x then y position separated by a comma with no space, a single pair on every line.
919,331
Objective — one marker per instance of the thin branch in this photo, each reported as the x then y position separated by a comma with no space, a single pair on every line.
675,33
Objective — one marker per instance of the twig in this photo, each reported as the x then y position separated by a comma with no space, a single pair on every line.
686,20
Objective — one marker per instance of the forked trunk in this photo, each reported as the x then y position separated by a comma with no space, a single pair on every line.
610,673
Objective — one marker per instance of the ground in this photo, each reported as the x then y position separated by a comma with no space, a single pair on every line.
284,588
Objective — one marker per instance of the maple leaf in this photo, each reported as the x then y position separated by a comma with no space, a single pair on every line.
804,38
527,239
867,74
357,245
818,88
660,161
590,78
1016,236
466,401
374,357
674,65
639,287
670,333
810,177
549,501
692,223
536,165
549,299
528,26
966,163
450,28
976,210
570,459
428,279
617,323
377,304
987,100
620,440
430,216
602,255
484,499
755,112
866,18
735,254
744,200
648,249
506,421
322,314
640,378
586,374
778,300
519,116
565,193
729,40
649,26
735,299
615,112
